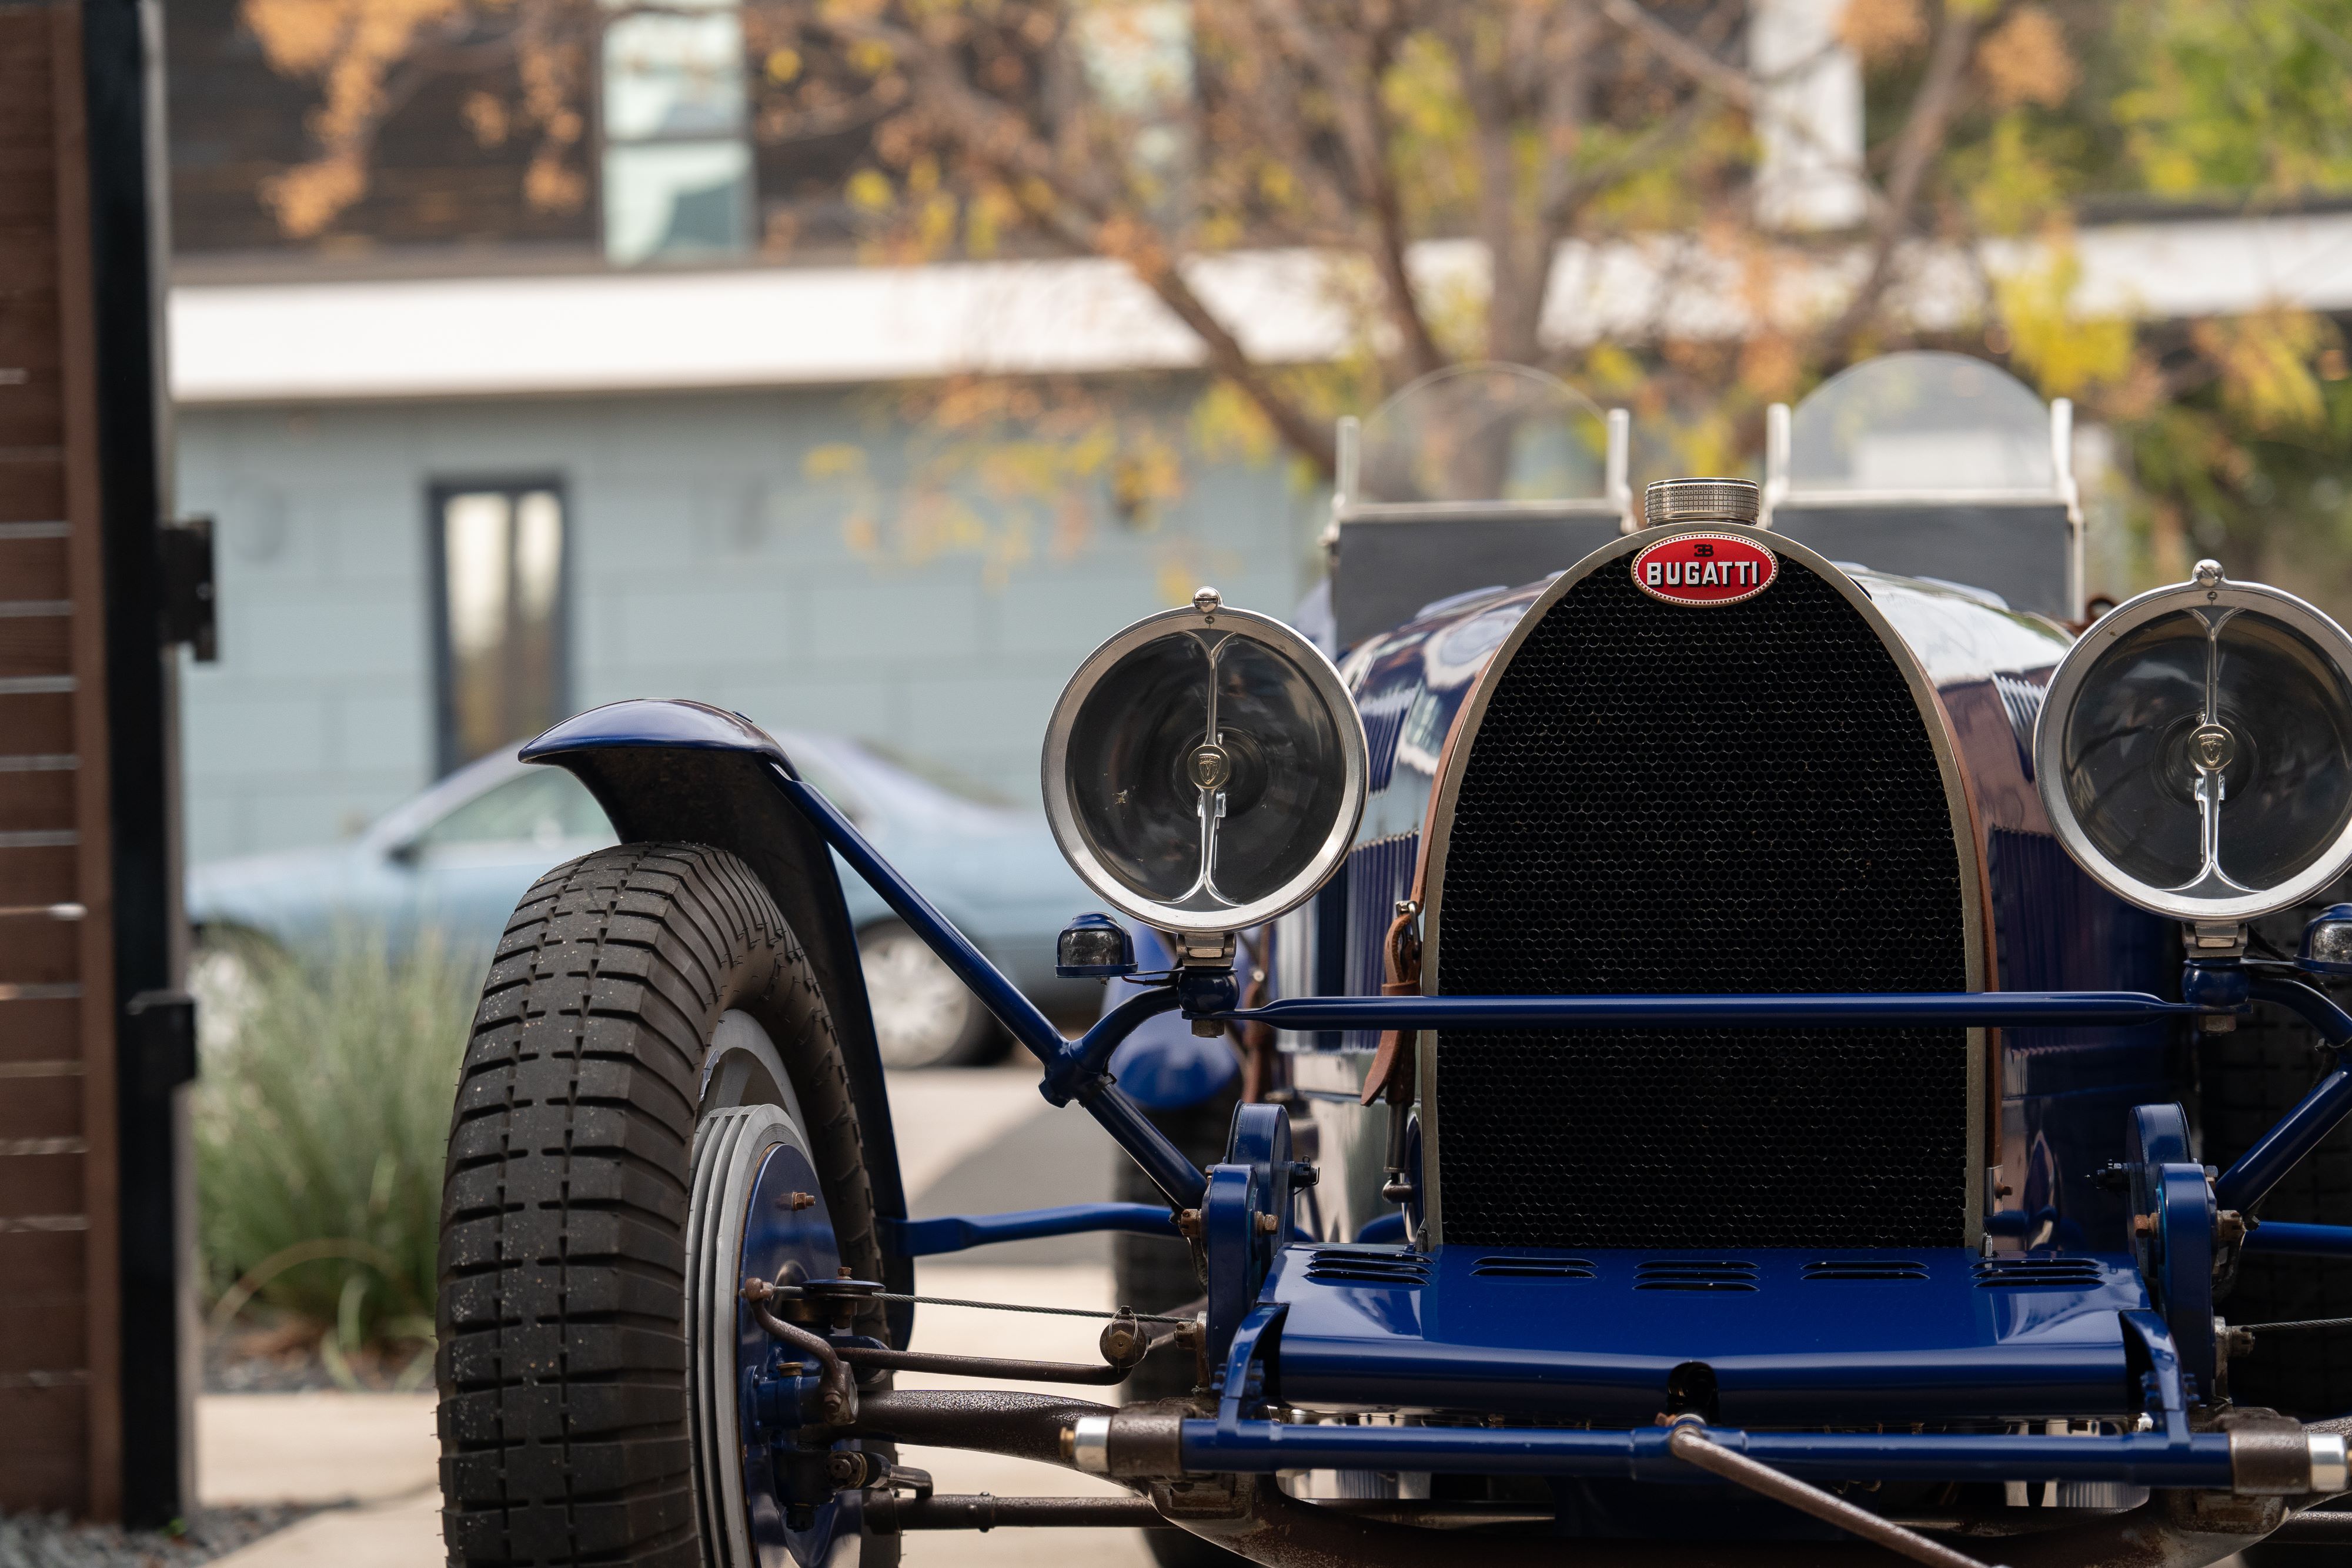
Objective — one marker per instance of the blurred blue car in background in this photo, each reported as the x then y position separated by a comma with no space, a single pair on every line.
457,858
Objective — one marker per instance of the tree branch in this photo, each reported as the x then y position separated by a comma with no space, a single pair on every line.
1085,213
1687,56
1351,70
1736,85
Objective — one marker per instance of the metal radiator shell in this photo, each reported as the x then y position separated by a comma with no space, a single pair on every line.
1935,724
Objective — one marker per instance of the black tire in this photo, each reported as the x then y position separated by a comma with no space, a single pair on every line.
561,1368
2250,1078
1152,1274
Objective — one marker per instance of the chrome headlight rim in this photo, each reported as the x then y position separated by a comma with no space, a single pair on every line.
2209,589
1061,810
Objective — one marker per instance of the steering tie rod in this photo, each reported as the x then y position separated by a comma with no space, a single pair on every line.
1691,1445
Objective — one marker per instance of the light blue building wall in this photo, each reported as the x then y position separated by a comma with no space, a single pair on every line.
715,548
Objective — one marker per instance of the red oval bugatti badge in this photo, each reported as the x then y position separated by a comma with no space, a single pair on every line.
1704,569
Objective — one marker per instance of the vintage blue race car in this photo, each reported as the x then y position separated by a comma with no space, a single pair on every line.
1729,1053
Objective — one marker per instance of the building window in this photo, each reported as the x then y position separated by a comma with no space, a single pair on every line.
497,555
677,160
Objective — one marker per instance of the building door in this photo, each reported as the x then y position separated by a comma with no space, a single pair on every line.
498,563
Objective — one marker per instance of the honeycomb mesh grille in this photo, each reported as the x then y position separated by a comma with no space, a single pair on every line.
1739,797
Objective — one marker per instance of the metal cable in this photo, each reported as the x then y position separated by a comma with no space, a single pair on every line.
2304,1323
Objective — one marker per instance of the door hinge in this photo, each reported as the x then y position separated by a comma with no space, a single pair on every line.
159,1040
186,546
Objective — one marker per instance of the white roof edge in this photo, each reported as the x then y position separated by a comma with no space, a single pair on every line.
782,327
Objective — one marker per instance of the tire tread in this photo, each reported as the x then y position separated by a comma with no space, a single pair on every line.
561,1364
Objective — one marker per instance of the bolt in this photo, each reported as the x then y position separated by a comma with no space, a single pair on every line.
1208,602
1124,1341
796,1201
2228,1227
845,1272
2208,574
1269,1223
2143,1225
1188,1223
846,1469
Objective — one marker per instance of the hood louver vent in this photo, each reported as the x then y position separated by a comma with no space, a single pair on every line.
2022,700
2038,1274
1695,1276
1533,1268
1335,1266
1866,1268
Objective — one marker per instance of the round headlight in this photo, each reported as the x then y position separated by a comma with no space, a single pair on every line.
2195,750
1204,769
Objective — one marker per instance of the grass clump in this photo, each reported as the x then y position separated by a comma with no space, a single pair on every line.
320,1120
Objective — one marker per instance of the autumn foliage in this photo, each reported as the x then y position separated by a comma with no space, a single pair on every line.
1461,169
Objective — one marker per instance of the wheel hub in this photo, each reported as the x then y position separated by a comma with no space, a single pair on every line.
765,1491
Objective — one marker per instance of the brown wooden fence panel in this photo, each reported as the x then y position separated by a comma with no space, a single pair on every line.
60,1442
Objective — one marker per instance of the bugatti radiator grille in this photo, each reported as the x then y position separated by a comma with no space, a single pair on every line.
1738,798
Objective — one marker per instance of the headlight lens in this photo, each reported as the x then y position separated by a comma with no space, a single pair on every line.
1204,771
2195,753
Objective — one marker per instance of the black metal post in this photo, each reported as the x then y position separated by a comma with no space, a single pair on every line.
122,78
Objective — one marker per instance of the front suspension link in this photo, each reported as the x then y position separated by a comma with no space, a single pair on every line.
1123,1344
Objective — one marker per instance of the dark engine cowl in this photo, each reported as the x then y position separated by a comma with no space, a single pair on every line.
1650,796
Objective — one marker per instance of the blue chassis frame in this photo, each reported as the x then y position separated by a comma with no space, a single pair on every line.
2169,1455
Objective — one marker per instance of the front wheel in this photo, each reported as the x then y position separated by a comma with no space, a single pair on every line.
653,1101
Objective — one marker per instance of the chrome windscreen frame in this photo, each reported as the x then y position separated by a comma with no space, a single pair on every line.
2208,591
1060,812
1780,490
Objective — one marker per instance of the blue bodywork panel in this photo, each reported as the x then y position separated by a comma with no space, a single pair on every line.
1816,1337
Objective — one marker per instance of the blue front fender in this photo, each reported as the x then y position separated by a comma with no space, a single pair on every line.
686,772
